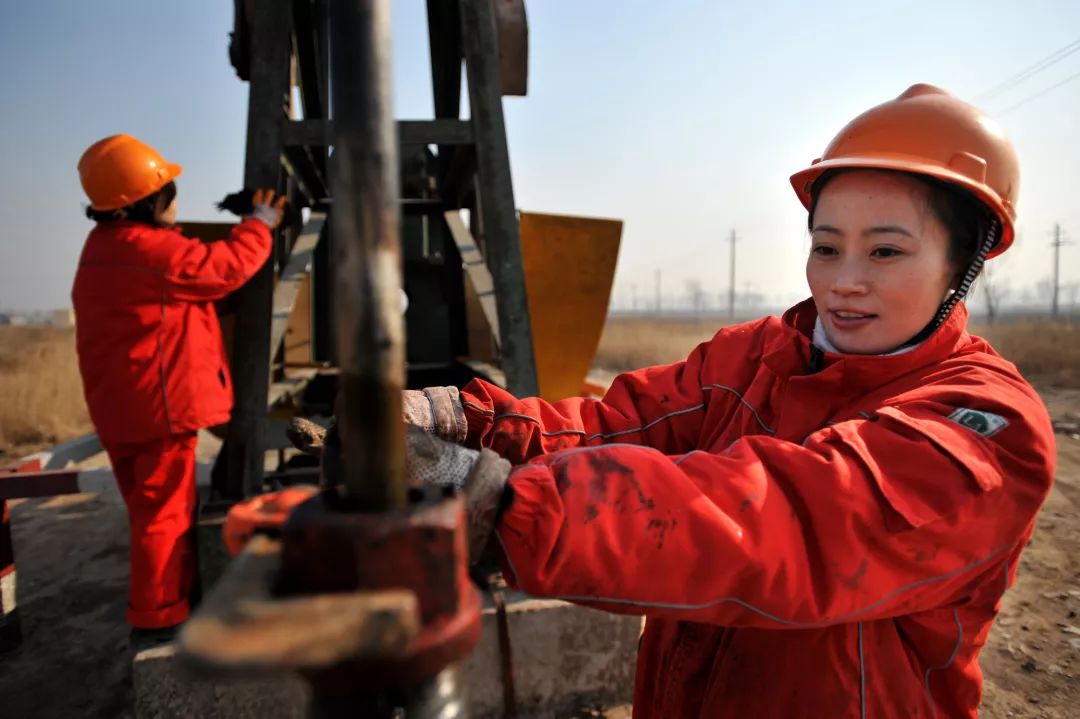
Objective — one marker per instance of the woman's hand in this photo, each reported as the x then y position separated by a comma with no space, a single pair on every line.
437,410
481,477
266,209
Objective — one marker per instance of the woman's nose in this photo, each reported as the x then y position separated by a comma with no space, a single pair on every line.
850,279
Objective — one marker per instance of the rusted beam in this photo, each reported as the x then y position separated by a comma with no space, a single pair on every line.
296,268
369,327
14,485
310,57
270,47
513,28
440,131
444,38
498,215
444,131
313,132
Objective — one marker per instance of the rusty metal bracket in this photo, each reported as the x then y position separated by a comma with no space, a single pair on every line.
242,627
362,604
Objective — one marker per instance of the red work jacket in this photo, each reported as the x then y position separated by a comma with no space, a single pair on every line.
829,543
149,343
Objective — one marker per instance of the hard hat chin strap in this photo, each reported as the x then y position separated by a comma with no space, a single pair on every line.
962,289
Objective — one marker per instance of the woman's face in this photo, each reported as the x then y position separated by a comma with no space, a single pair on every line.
879,260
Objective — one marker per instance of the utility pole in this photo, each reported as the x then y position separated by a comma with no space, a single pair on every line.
1057,245
731,280
658,292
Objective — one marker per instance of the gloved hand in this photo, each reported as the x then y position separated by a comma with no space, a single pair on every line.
437,410
265,209
242,204
481,477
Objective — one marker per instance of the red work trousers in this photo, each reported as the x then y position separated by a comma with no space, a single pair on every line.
157,482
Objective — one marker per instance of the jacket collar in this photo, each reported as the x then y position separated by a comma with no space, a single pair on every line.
791,355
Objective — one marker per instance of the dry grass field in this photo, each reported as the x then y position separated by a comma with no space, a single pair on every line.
41,400
1047,352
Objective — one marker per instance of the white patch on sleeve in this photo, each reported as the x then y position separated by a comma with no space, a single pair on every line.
979,421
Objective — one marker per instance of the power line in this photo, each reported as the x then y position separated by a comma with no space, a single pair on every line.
1039,94
1051,59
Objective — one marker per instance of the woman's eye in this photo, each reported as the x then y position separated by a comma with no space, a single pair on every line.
886,252
823,250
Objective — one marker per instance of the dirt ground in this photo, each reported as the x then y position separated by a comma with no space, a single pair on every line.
74,662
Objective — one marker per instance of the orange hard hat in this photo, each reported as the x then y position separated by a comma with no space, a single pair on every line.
927,131
262,513
120,170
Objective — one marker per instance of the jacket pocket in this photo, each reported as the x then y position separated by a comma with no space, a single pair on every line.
925,466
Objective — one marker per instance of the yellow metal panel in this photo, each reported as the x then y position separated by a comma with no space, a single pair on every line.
569,266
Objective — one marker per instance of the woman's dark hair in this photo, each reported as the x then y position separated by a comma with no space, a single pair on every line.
138,211
964,217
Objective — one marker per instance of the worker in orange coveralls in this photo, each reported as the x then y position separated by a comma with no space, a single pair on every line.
150,351
818,514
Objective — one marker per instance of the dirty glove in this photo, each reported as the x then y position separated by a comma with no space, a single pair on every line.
481,477
242,204
437,410
306,436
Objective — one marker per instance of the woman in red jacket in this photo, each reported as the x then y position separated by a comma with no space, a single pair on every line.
817,514
151,357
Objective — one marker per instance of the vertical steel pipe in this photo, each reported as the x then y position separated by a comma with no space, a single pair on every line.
364,185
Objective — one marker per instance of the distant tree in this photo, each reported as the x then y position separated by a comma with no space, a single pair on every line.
696,296
994,291
1071,292
1044,289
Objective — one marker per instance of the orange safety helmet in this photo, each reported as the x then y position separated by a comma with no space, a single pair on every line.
927,131
120,170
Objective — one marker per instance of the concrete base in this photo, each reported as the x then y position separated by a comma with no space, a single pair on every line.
565,658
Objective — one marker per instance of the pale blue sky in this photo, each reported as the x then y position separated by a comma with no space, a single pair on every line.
682,118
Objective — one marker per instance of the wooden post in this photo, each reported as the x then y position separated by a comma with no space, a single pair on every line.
267,100
502,246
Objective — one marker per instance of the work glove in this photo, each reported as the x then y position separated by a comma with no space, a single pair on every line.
266,210
260,205
480,476
437,410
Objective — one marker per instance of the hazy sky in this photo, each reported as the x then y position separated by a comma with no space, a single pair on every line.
684,119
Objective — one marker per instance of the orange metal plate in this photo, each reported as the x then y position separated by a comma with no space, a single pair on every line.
569,266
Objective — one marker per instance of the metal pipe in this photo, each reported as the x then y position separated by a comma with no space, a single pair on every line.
364,186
